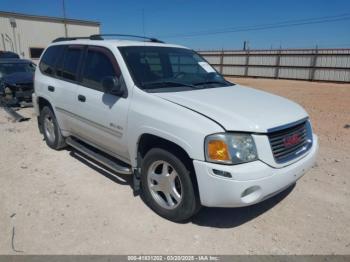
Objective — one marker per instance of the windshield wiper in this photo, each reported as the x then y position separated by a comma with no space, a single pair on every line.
154,85
211,82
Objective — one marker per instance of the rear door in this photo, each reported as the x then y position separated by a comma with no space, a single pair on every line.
45,75
65,86
102,116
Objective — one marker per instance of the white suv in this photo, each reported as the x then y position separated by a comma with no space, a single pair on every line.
162,114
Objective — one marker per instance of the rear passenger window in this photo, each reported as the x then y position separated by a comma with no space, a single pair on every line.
69,68
97,66
49,59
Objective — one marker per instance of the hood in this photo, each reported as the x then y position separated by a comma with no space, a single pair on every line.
239,108
18,78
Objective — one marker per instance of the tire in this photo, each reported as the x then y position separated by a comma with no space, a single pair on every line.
51,130
176,199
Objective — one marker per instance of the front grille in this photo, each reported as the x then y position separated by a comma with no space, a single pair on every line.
289,143
24,86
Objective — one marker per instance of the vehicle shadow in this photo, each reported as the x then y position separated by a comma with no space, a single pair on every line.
207,217
233,217
105,171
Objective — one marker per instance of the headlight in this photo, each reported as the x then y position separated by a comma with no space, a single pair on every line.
230,148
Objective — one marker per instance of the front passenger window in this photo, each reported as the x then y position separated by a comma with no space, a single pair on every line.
97,67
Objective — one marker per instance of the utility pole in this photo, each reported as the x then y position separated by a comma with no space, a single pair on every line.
14,25
245,45
64,18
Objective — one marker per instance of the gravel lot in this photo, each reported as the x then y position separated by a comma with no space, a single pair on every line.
59,203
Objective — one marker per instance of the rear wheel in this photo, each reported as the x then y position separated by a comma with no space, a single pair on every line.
51,130
167,186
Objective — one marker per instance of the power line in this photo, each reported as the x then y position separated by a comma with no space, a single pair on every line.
270,24
288,23
283,24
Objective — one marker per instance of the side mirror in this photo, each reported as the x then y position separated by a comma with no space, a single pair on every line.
112,85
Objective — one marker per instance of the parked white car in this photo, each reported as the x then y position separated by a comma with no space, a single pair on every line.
162,114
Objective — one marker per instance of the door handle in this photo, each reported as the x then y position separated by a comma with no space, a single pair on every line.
81,98
51,88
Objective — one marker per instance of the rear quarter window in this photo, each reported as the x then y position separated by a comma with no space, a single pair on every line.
49,60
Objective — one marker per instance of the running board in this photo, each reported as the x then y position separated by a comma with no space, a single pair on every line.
124,170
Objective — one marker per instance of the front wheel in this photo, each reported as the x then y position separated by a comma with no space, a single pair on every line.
167,185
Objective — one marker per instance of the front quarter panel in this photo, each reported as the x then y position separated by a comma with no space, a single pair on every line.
150,114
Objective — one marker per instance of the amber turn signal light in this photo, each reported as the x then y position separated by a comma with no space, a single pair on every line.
218,150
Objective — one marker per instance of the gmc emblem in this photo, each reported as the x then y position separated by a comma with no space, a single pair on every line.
292,140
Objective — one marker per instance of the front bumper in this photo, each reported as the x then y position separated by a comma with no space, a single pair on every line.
24,95
16,96
251,182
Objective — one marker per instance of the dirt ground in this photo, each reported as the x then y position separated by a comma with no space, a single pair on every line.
59,203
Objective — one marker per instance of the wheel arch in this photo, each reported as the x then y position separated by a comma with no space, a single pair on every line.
42,102
147,141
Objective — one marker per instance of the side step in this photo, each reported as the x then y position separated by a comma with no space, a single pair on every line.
124,170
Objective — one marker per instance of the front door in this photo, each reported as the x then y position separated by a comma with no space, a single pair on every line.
102,117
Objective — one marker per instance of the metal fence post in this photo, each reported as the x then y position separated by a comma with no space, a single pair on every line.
221,61
246,63
313,65
278,62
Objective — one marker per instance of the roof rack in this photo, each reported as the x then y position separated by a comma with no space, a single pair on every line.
100,37
60,39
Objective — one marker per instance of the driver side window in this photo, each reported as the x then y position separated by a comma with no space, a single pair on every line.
98,65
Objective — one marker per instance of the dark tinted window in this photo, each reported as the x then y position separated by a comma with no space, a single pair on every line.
183,63
97,66
146,66
152,62
35,52
70,63
48,61
168,68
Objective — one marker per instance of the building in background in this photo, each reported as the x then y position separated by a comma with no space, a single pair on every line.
29,35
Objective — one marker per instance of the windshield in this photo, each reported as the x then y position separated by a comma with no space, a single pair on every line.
11,68
167,69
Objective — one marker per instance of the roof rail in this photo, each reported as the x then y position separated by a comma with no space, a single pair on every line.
100,37
60,39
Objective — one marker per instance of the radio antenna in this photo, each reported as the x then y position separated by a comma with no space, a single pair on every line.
143,22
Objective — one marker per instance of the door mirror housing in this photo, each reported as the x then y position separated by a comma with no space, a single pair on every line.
112,85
